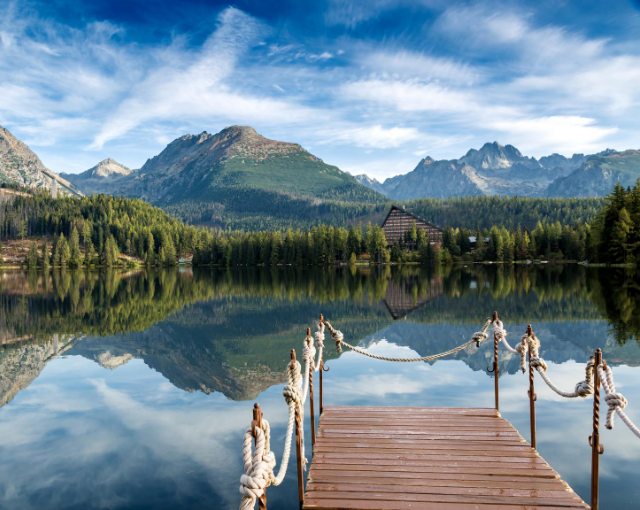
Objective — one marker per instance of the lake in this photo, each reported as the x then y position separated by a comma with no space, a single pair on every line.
133,390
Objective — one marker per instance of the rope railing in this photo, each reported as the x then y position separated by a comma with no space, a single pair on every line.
260,462
338,338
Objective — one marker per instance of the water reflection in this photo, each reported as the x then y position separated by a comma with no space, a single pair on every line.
131,390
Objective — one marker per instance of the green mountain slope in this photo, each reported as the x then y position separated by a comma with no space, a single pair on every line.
239,178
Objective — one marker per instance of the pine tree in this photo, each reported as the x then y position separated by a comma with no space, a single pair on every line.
620,233
22,231
62,252
46,259
32,256
75,258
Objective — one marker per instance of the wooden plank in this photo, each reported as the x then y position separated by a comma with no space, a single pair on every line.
442,498
435,480
421,458
518,492
328,504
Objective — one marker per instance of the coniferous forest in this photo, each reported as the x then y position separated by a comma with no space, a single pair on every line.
102,230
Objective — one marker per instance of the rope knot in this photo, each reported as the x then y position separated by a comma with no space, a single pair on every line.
309,352
319,336
258,468
538,362
584,388
478,337
616,400
292,391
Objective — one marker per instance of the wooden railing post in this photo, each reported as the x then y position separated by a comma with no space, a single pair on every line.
532,394
496,368
298,423
311,403
594,439
257,422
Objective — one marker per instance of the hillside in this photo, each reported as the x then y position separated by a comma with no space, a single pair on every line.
239,178
597,176
20,165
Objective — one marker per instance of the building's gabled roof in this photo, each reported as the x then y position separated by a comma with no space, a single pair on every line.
402,209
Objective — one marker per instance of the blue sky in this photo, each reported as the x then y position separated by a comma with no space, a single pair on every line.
371,85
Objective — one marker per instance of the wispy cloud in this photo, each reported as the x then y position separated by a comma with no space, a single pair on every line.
358,90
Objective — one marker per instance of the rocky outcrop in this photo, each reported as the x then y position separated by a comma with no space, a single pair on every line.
20,165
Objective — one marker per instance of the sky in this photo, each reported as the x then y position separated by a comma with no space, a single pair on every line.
371,86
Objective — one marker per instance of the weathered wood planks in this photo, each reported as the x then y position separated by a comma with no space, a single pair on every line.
370,458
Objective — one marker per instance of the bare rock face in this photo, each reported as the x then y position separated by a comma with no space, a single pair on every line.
20,165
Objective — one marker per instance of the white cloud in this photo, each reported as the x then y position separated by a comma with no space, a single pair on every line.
370,136
418,65
411,95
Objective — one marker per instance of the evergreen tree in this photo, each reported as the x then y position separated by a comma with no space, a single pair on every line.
75,258
22,231
32,256
46,259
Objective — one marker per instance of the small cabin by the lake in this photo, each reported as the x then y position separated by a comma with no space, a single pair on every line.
399,222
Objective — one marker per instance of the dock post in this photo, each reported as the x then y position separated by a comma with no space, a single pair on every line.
594,439
298,445
532,394
311,404
257,422
496,368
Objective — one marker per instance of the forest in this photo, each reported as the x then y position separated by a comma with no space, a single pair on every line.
105,230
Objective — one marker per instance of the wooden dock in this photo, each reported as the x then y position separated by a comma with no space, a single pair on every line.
372,458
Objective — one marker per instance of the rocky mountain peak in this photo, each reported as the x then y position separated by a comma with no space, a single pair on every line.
108,167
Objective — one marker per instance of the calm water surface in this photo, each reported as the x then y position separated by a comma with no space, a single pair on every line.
133,390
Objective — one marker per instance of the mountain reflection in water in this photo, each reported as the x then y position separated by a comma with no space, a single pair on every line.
230,331
132,390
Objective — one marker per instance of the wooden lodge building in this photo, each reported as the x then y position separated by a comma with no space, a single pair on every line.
398,222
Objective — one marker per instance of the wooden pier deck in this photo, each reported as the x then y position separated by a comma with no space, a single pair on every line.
372,458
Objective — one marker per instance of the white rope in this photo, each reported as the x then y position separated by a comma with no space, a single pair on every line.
527,343
319,336
501,333
615,401
582,389
338,338
309,356
259,466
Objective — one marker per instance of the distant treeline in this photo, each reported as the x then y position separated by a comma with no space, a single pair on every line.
509,212
256,211
114,225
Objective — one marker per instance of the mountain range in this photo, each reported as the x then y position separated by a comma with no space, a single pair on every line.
503,170
238,178
234,175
